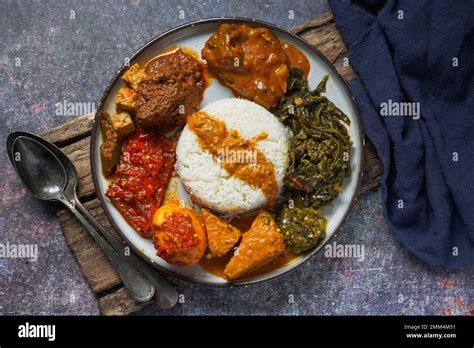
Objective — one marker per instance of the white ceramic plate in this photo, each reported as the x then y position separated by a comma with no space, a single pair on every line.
193,36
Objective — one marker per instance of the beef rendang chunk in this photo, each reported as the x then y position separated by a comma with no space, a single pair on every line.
171,90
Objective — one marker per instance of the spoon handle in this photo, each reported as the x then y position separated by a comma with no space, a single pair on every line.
166,295
138,287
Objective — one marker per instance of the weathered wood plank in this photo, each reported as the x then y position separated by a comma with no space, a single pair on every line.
343,68
93,263
71,131
325,18
322,33
119,303
327,40
373,169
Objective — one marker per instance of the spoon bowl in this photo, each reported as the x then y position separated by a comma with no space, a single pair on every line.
37,167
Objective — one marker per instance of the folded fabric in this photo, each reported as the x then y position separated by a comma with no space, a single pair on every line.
415,93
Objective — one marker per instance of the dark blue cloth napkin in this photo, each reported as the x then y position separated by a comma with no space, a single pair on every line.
410,54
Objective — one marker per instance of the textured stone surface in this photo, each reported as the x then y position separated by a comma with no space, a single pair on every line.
68,50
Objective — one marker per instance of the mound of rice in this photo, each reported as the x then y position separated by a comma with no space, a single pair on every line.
208,183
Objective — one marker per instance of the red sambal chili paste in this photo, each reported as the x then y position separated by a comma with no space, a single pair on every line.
178,236
141,178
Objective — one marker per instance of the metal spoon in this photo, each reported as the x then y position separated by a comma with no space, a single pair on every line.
166,295
44,176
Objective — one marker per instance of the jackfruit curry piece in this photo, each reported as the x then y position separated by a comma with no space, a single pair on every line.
164,94
221,235
259,245
252,61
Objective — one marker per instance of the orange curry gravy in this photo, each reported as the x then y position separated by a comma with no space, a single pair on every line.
297,58
213,136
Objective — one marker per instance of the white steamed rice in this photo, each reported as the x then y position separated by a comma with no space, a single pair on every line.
208,183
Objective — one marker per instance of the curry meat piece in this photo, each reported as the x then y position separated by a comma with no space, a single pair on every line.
221,236
251,61
260,244
171,90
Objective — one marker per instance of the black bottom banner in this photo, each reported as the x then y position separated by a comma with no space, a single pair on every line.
209,330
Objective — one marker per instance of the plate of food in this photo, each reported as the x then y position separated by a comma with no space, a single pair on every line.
227,151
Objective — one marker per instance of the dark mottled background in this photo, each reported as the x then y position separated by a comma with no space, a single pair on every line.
46,57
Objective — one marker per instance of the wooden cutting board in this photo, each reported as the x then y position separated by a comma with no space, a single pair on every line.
73,138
